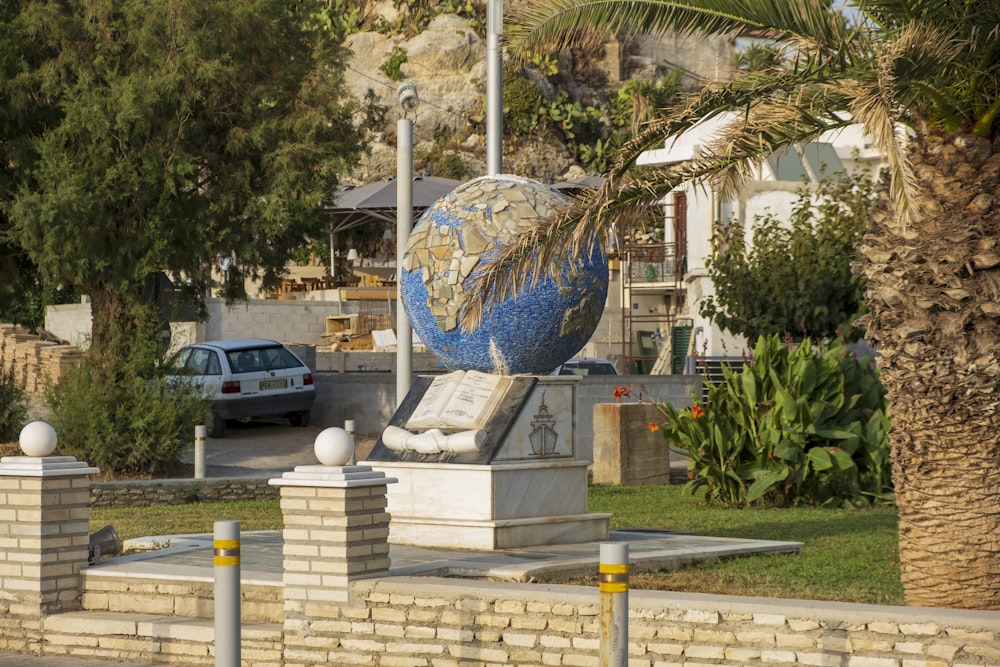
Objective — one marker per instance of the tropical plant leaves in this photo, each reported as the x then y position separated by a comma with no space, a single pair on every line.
799,423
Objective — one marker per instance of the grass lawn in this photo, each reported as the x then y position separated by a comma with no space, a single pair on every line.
849,555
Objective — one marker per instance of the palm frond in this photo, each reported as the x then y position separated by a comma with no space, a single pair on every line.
919,61
556,24
786,116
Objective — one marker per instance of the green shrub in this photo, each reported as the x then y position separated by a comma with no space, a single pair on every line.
119,411
523,102
139,424
392,67
449,165
13,406
799,423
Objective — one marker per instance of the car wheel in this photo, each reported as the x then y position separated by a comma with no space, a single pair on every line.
216,426
300,418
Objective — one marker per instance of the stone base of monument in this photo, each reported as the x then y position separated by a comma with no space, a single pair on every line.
491,506
502,474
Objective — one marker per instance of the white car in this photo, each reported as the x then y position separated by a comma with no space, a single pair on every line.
248,378
586,366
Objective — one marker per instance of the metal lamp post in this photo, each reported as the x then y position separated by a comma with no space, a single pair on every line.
494,88
408,100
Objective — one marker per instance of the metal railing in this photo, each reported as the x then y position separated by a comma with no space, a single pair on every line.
654,263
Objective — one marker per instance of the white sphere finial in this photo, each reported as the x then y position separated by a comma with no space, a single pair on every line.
38,439
334,446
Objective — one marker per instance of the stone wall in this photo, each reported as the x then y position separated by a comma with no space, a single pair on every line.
132,493
436,622
444,622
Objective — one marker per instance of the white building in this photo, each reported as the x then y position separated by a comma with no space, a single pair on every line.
663,284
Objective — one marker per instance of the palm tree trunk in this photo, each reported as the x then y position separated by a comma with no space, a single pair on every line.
934,317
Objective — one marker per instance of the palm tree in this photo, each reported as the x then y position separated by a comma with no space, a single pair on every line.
931,255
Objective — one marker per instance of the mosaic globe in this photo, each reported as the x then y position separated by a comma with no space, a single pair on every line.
455,239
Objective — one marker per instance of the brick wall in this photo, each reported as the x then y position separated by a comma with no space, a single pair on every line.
445,622
434,622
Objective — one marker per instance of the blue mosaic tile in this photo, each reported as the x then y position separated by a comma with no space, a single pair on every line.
531,334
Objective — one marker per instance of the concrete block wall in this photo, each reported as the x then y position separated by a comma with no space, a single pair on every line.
152,637
370,398
44,526
673,389
626,452
177,597
70,321
285,321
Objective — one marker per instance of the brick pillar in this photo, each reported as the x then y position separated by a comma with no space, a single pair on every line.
336,531
44,539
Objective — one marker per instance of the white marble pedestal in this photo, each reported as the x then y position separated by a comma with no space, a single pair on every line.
497,506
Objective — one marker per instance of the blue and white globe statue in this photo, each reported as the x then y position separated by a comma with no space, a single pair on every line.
458,236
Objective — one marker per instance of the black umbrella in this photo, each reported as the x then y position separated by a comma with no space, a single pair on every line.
376,202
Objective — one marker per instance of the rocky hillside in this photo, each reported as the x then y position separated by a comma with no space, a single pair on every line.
446,61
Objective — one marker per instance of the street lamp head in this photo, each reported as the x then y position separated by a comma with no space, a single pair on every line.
407,95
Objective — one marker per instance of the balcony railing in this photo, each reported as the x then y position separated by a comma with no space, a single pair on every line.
654,263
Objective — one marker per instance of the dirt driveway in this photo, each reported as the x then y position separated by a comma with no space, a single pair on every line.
261,448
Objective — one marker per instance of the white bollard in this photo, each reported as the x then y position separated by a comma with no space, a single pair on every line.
349,427
200,433
227,593
614,604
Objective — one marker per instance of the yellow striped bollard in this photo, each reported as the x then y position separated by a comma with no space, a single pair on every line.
614,604
227,593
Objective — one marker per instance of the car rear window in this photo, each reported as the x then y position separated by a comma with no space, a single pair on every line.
262,359
587,369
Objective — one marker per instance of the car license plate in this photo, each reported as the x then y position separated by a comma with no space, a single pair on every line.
273,384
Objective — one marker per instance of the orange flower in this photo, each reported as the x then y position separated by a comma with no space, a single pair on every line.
697,412
654,427
622,392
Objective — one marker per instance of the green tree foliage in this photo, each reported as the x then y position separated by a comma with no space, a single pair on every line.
523,102
795,277
13,406
392,67
637,101
165,133
23,293
798,424
152,137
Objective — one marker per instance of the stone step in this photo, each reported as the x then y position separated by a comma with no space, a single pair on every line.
131,637
183,597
